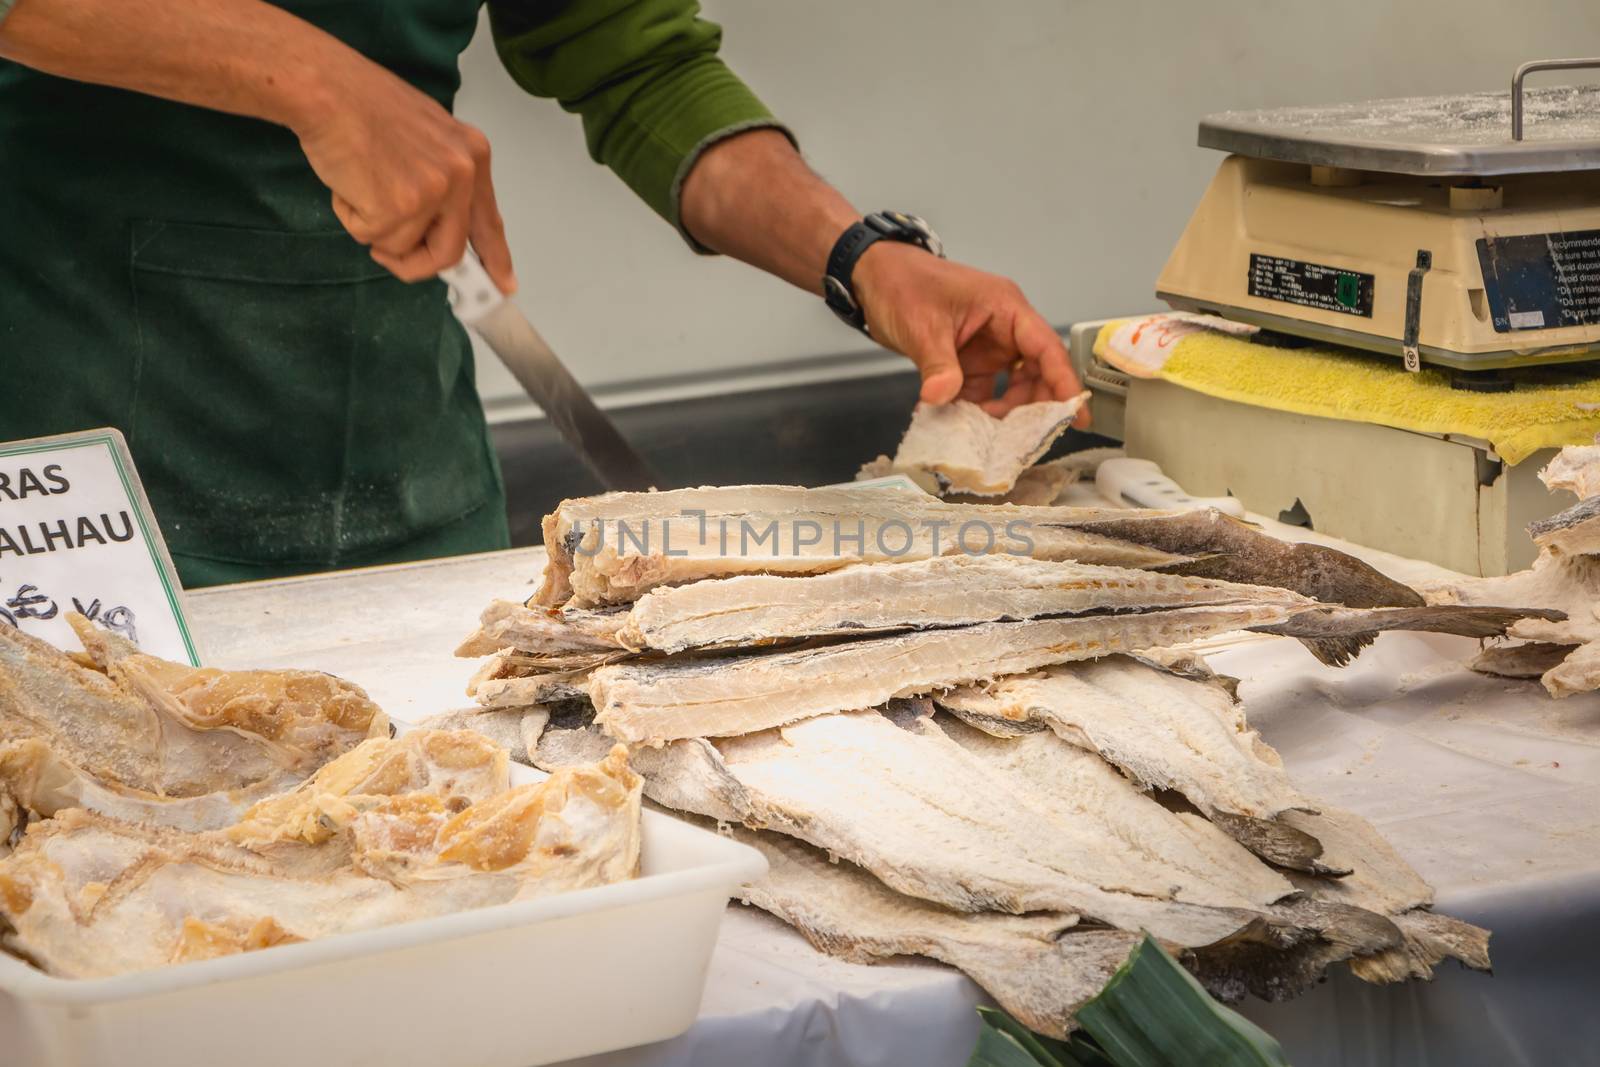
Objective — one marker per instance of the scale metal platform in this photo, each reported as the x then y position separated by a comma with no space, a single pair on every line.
1461,231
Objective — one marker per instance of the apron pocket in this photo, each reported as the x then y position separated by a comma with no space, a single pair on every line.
249,343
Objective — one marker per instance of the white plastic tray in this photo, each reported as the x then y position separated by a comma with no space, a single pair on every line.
514,985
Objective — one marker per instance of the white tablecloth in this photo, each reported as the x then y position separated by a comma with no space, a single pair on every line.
1488,787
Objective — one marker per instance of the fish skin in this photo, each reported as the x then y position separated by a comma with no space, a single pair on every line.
1231,549
1336,635
647,703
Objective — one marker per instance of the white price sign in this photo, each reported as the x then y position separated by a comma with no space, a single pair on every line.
77,534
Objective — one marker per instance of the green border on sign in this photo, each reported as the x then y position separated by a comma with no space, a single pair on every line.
113,441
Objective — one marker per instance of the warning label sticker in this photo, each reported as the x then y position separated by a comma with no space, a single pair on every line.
1294,281
1540,281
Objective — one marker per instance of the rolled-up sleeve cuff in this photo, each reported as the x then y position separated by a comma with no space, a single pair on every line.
670,122
710,139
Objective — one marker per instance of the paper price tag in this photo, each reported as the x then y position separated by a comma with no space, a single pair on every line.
77,534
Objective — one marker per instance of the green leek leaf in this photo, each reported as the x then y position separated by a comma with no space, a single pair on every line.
1153,1013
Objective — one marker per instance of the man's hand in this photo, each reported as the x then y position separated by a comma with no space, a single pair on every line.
754,198
962,328
407,178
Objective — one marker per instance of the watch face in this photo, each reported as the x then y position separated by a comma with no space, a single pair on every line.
909,228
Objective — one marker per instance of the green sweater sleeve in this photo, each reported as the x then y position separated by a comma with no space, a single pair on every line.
645,77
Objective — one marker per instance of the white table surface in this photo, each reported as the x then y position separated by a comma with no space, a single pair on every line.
1490,788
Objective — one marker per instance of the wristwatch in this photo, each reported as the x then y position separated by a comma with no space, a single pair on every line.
838,288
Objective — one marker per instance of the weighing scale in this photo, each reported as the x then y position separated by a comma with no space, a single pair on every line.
1461,232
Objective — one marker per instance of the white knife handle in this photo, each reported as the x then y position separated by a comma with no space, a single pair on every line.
473,293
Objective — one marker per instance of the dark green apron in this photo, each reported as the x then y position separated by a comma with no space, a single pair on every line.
179,274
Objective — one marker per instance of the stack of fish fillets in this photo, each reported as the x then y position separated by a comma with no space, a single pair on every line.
984,759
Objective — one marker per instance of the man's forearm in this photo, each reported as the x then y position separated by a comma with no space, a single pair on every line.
241,56
753,198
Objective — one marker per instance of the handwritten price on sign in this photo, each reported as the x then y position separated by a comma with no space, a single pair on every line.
29,603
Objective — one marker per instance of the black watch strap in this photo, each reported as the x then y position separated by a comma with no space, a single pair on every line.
838,285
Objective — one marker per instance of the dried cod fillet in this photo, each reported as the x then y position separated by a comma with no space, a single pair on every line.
1565,577
1576,469
863,599
154,730
37,779
1064,779
85,896
1162,731
516,730
507,624
1379,880
1034,965
1382,882
1040,485
932,821
646,703
454,765
533,689
1040,967
687,534
590,562
971,451
1274,952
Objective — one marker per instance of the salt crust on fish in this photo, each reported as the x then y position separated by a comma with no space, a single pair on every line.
720,696
1160,730
937,822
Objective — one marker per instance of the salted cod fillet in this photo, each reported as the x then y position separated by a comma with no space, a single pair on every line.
1035,966
687,534
142,738
1564,653
859,600
651,702
590,564
1163,731
1356,922
1279,952
933,822
863,599
86,896
970,451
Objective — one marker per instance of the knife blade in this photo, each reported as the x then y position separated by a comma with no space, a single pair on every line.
481,306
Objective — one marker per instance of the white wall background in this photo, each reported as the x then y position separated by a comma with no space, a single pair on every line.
1052,140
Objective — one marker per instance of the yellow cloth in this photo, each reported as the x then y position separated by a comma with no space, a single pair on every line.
1550,407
